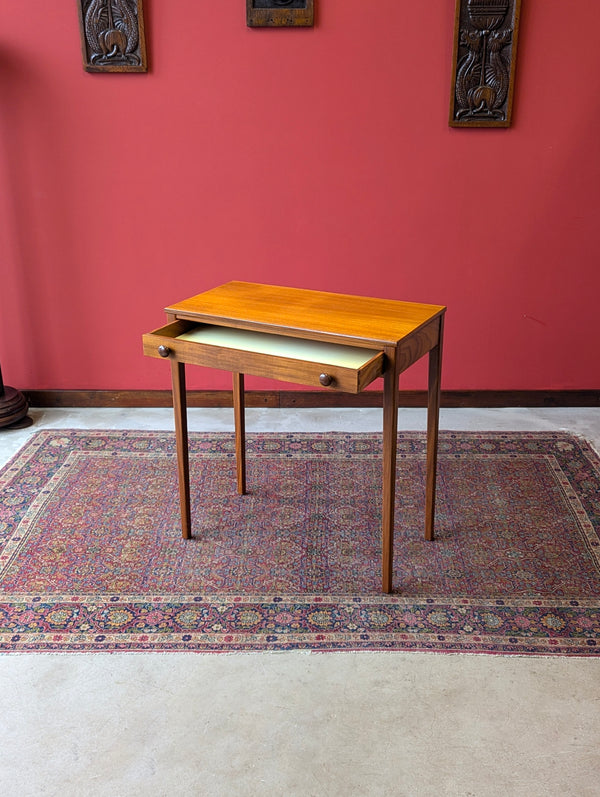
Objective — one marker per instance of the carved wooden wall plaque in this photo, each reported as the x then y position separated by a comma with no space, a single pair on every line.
112,35
279,13
483,65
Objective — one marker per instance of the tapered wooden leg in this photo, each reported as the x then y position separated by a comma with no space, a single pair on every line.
181,437
390,431
240,431
433,414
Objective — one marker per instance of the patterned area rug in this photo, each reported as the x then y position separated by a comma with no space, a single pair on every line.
91,555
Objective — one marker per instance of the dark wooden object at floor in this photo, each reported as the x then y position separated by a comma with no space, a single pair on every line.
483,63
112,35
279,13
13,407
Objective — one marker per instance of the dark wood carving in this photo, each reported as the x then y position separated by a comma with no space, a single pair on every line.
483,66
279,13
112,35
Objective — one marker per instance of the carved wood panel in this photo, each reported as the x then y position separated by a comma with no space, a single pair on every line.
279,13
112,35
484,59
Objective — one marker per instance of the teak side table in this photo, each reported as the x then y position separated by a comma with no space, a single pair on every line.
329,340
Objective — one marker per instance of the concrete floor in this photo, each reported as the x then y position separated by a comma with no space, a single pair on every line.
299,723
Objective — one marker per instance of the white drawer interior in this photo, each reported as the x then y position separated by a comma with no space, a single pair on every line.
281,346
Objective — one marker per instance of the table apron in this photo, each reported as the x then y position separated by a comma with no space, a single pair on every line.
413,347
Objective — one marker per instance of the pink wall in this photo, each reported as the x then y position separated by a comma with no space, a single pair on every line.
319,158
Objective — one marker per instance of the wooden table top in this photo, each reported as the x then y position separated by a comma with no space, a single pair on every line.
316,315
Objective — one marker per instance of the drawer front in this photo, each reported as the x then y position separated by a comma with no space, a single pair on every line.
314,363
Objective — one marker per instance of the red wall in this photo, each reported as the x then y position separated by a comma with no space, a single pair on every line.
318,158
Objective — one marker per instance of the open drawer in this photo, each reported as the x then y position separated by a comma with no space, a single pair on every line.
308,362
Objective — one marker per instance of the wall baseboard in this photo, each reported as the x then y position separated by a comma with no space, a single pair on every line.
313,398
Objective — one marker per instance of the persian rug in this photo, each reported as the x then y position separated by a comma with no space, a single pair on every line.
92,559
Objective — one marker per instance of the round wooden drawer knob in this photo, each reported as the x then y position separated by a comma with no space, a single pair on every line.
164,351
326,380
